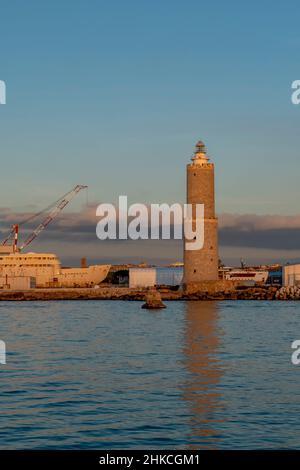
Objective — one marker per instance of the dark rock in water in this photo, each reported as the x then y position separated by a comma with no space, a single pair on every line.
153,300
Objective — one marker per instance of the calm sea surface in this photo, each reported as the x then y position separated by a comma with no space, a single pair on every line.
107,374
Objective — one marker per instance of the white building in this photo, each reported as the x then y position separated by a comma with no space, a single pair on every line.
150,277
142,277
291,275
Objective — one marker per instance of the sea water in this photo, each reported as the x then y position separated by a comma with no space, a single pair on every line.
108,374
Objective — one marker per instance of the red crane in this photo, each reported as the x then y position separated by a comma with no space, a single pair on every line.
54,208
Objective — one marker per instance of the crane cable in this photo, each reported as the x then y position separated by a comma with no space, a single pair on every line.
46,209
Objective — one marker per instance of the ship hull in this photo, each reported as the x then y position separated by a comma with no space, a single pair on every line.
240,275
82,277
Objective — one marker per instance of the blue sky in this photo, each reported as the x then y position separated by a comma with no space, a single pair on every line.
115,94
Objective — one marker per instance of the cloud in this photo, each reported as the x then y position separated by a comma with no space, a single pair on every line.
261,231
254,222
74,232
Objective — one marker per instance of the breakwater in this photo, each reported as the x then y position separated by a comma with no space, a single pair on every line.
125,293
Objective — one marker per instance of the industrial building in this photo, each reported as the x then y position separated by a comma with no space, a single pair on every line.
142,277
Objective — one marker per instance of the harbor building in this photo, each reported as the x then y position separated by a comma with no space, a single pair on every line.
291,275
202,265
155,276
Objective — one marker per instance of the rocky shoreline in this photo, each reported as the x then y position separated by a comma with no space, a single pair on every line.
124,293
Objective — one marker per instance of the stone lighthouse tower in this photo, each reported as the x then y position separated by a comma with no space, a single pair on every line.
202,265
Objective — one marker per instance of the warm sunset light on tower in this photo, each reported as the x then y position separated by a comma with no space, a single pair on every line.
202,265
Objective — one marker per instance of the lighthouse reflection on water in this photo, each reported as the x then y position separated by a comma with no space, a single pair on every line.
200,391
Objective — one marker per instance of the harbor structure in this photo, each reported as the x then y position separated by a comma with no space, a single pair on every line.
202,265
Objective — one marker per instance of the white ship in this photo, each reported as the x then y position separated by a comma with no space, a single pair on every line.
247,274
46,269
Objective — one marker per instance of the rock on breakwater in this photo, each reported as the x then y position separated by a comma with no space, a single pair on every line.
288,293
153,300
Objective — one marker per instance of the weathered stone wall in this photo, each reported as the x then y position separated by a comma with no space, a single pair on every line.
211,287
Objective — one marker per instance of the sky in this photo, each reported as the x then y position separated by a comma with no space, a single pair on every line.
115,94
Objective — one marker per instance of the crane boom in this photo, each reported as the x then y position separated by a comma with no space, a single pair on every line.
54,213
